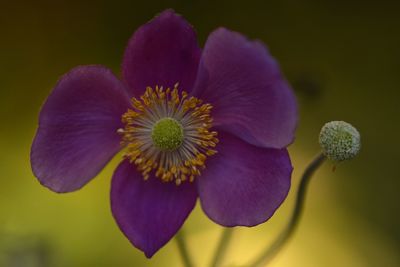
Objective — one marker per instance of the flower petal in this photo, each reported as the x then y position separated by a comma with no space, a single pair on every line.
250,97
78,124
150,212
162,52
244,184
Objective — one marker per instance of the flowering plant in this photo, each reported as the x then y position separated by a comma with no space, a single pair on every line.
210,124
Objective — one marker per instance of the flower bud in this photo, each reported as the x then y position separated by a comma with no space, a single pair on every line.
339,141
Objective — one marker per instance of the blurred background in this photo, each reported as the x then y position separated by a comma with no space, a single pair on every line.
343,60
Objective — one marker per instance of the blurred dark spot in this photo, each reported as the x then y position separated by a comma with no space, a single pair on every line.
25,251
308,87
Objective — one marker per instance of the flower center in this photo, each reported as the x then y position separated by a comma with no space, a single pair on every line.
168,133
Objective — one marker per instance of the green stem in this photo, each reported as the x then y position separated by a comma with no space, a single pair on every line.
180,240
272,250
222,246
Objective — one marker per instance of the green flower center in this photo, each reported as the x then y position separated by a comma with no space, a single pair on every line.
167,134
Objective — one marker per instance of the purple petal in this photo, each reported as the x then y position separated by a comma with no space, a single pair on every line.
162,52
250,97
150,212
244,184
78,124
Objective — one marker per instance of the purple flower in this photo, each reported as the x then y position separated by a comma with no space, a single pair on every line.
211,124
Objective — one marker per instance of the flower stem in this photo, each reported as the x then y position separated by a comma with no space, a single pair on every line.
273,249
222,246
180,240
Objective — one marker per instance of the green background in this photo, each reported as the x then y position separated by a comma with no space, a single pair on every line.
343,60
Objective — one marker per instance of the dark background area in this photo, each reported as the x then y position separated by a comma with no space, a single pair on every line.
343,60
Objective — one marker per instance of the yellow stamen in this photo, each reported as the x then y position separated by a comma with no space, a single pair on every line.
182,161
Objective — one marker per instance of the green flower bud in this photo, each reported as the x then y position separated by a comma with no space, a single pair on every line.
339,141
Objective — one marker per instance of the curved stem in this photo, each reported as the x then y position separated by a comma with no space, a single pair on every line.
272,250
222,246
180,240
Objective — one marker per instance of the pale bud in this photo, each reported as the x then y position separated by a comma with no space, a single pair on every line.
339,141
